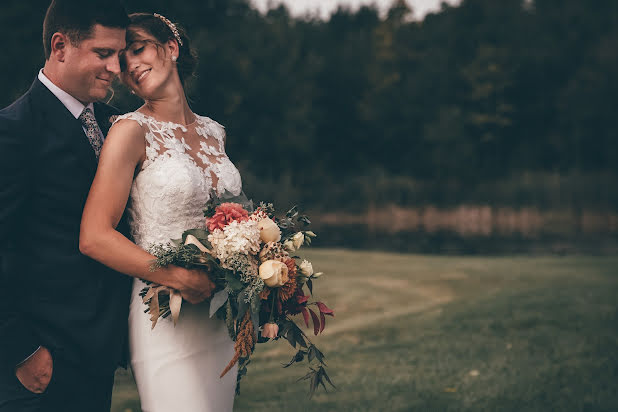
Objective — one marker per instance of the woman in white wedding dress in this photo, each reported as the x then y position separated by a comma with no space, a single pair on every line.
165,161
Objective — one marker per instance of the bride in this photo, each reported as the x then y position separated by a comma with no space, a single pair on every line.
163,162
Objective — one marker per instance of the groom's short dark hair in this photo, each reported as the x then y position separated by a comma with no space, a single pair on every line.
76,18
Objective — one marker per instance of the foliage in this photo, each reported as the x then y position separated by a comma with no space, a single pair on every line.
245,301
472,93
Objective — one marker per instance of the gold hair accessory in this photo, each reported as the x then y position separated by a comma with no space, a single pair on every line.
171,25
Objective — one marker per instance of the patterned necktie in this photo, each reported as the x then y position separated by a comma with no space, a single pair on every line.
92,130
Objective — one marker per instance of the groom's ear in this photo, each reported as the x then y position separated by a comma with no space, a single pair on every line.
59,42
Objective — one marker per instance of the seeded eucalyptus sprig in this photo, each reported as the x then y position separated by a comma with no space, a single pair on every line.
267,208
185,256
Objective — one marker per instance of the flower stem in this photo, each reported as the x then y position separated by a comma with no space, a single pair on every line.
272,307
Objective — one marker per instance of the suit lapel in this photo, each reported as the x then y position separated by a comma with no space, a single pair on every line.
57,117
102,113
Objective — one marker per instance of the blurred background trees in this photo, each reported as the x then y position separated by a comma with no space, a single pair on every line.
488,102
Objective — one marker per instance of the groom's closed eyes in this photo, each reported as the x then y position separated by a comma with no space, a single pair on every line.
104,53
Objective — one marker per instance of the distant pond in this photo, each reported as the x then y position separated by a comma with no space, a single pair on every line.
471,230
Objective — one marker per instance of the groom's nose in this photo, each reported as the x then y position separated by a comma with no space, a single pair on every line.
113,65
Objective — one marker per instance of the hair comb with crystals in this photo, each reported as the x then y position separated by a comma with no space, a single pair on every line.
171,25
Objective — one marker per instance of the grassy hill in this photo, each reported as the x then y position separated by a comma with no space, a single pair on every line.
432,333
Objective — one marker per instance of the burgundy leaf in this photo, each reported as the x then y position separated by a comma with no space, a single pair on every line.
316,322
325,310
306,316
302,298
323,321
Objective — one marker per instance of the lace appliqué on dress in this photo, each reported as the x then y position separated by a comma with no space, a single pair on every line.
169,192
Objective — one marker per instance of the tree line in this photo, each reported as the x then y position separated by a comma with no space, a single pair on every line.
479,101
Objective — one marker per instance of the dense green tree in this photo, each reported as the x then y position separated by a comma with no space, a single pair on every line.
470,95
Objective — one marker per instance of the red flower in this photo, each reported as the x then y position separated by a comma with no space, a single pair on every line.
291,264
289,289
295,305
225,214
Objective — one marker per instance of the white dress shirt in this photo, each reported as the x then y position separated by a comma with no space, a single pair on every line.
71,103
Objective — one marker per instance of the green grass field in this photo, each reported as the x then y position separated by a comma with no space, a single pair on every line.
428,333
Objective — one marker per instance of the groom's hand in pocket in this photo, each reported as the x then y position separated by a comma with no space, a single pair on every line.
35,373
195,285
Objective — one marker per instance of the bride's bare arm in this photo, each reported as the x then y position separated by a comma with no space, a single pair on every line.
122,152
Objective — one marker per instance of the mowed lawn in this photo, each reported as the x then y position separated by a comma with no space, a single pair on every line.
429,333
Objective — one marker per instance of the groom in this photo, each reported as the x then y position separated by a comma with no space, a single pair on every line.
63,317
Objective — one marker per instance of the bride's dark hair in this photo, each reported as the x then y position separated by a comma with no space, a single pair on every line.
157,28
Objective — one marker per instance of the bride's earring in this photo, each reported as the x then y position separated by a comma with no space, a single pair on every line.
174,58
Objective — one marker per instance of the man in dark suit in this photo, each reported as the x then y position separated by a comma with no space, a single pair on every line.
63,316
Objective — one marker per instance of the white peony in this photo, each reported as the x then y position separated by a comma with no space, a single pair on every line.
236,237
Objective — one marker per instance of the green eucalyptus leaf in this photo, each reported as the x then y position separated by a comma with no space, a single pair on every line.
255,314
242,305
233,282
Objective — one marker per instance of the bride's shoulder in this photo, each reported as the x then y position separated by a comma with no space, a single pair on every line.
124,141
128,125
131,117
206,119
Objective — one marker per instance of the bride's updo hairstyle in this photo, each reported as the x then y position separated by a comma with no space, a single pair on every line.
162,30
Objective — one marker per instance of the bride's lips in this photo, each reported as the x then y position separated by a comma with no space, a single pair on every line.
137,77
108,81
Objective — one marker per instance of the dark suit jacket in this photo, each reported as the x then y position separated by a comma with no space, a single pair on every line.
51,294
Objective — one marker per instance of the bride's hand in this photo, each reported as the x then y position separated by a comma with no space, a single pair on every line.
194,284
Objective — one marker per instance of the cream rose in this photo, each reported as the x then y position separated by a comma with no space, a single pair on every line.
298,239
289,245
269,231
306,268
274,273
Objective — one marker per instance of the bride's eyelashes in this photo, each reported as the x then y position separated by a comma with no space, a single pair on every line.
133,50
136,48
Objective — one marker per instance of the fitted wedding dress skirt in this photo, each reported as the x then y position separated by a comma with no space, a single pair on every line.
177,368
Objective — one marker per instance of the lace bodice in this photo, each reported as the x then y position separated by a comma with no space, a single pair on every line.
176,180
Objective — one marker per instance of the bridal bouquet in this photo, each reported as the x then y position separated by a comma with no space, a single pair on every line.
261,285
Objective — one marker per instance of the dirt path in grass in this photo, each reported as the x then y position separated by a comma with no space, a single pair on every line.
390,300
421,297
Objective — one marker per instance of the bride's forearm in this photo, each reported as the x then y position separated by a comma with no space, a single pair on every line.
114,250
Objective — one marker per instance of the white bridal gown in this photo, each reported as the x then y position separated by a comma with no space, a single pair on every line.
177,368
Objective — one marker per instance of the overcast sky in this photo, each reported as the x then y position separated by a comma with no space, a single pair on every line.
325,7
